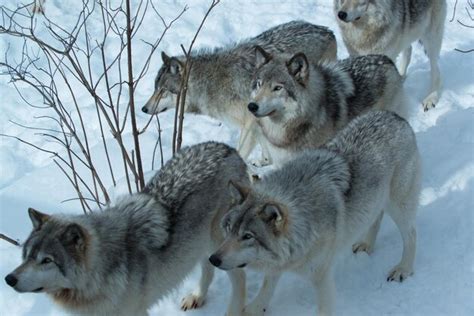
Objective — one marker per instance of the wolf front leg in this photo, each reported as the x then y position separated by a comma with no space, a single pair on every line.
237,301
323,281
260,303
196,298
247,140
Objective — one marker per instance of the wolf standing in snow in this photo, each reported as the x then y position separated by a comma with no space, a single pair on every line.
122,260
301,105
220,80
300,217
390,26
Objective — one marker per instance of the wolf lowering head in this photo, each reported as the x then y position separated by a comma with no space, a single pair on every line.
167,85
350,10
51,256
277,84
254,229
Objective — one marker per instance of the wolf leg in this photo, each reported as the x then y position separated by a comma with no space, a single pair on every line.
323,281
260,303
237,302
405,61
432,43
196,298
403,214
368,243
247,140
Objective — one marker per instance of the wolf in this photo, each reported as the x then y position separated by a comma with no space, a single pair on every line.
122,260
220,80
299,104
301,217
390,26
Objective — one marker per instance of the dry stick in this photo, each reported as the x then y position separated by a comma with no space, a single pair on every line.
55,154
156,145
10,240
187,71
135,133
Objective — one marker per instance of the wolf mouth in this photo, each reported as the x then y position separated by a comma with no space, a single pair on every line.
38,289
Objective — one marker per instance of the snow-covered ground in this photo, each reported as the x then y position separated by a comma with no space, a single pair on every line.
443,283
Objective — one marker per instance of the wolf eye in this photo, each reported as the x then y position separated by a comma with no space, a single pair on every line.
277,88
46,261
247,236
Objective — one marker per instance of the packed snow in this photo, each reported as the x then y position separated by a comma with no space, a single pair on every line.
443,283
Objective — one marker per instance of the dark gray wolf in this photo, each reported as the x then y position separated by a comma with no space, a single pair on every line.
300,217
122,260
220,81
390,26
301,105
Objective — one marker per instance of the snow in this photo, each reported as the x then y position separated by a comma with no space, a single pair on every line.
443,283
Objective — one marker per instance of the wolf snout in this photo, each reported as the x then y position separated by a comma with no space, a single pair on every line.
253,107
145,109
11,280
342,15
215,261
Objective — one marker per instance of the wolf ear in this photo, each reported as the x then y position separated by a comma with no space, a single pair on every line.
165,58
175,66
273,214
37,218
75,236
261,56
238,193
298,67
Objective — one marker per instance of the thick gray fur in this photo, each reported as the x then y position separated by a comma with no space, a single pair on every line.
300,217
306,112
122,260
390,27
220,81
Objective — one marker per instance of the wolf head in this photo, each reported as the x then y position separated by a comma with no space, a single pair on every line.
253,228
51,255
275,84
167,85
350,10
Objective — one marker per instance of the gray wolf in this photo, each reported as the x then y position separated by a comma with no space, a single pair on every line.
220,80
390,26
299,104
300,217
123,259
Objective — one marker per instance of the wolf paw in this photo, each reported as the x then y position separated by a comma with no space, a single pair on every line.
362,247
191,301
399,274
430,101
253,310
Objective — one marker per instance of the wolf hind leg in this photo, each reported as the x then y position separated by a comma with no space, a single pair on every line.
197,297
367,244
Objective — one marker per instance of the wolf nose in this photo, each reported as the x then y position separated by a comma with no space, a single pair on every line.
11,280
253,107
215,260
342,15
145,109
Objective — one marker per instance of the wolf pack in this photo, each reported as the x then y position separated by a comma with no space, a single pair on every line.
342,151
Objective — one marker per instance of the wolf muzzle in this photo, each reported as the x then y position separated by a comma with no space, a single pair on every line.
215,261
11,280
